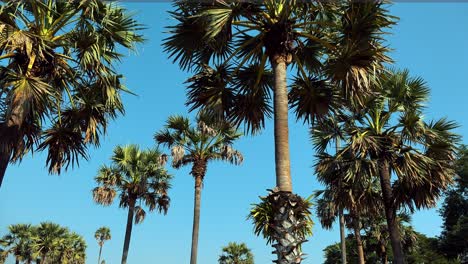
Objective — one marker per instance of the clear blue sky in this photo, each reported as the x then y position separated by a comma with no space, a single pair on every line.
431,40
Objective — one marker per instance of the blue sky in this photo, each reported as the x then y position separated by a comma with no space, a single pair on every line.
431,40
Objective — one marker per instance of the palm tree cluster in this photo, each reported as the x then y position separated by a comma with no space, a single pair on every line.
59,88
241,51
59,85
386,141
45,243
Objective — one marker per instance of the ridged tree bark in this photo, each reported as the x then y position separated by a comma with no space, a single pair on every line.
390,213
198,172
128,231
288,241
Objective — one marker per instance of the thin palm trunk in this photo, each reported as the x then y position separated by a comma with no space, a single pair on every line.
128,231
383,254
357,235
342,220
100,251
282,160
390,213
44,259
196,219
342,236
17,261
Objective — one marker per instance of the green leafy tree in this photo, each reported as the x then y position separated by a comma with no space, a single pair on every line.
241,52
198,145
235,253
102,235
18,242
454,212
391,134
59,85
138,176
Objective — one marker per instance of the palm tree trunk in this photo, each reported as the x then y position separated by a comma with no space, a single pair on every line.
44,259
357,235
17,261
196,220
342,236
390,213
383,254
10,133
282,160
342,220
100,251
128,231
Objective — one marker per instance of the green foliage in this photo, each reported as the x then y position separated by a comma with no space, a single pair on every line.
209,140
232,46
102,235
47,242
263,217
59,85
454,212
138,176
235,253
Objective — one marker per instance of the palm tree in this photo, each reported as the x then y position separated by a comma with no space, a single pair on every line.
139,178
198,145
375,228
102,235
59,84
250,45
391,134
235,253
18,242
49,238
71,250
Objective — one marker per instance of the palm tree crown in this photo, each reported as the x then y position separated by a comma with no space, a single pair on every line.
58,77
235,253
102,235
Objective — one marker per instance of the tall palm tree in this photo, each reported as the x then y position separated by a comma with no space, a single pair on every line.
241,52
198,145
235,253
102,235
391,133
59,84
138,176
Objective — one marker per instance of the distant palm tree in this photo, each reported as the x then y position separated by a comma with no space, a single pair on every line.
198,145
59,83
391,134
49,238
71,250
138,176
241,51
235,253
376,231
18,242
102,235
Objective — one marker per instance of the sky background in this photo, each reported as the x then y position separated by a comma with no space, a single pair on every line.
431,40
